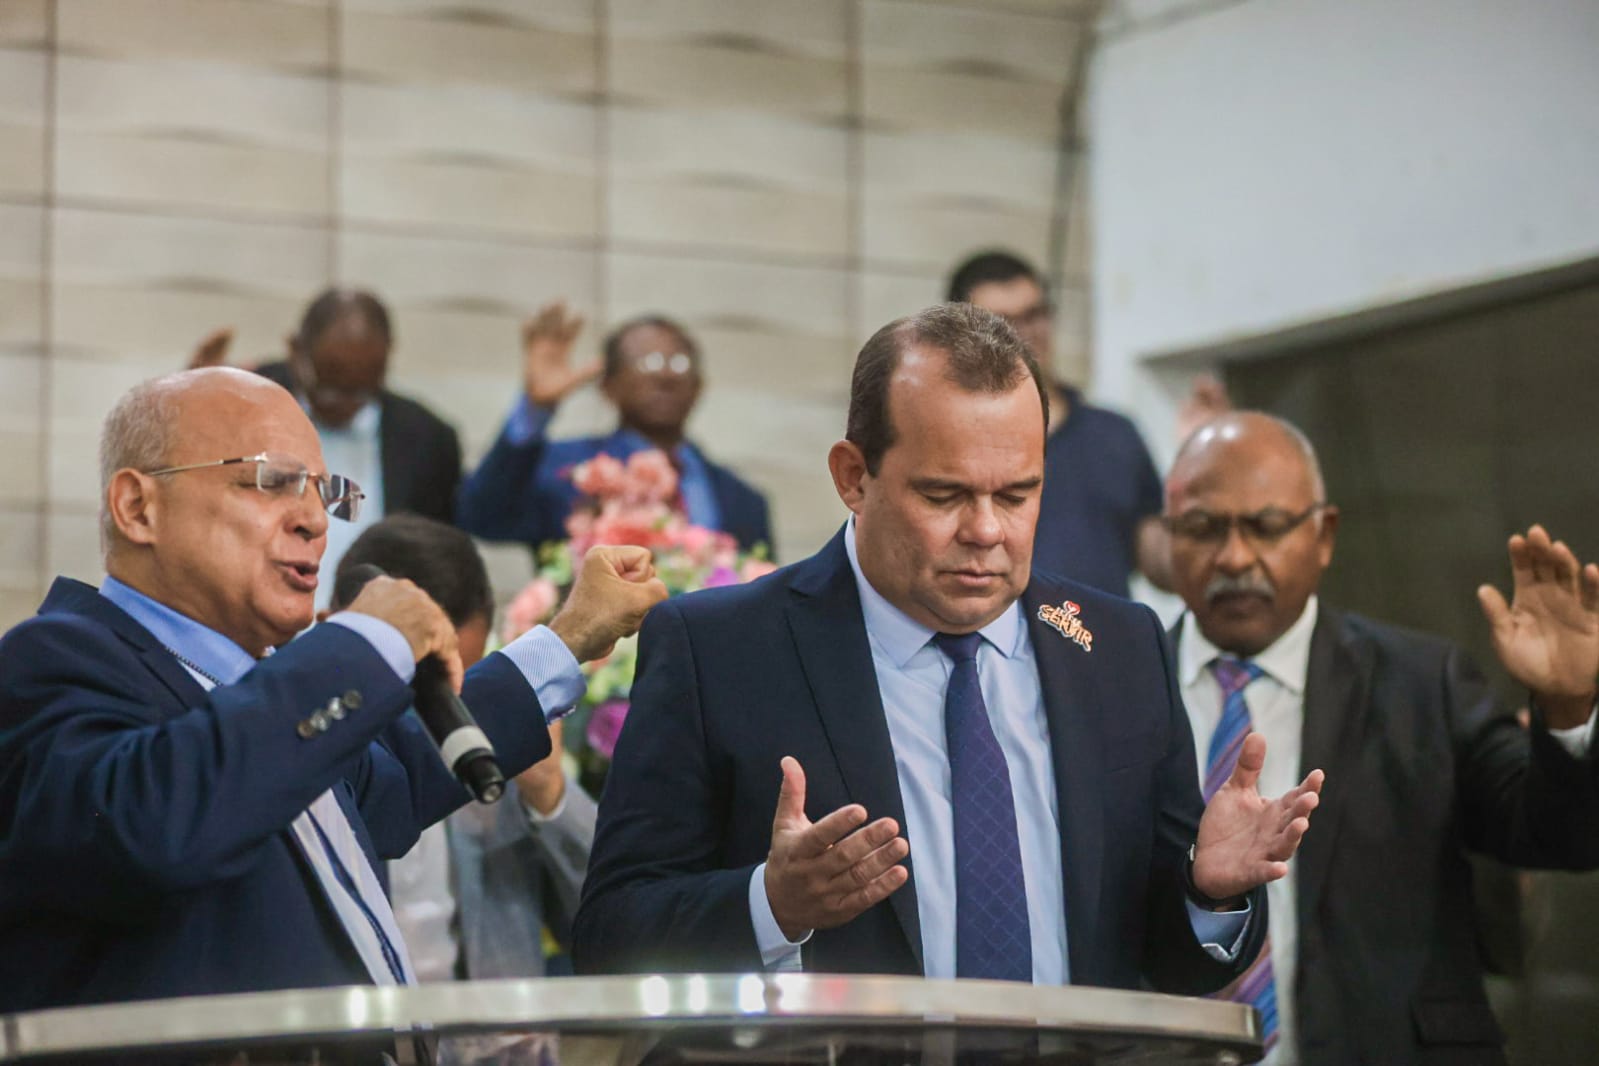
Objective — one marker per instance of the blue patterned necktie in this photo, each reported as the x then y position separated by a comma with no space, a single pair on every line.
992,936
1256,987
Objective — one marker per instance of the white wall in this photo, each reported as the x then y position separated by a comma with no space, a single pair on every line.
1261,164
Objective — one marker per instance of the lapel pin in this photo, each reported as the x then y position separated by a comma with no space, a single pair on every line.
1066,619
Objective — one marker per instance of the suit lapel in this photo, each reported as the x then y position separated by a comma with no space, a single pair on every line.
398,472
1337,685
1072,707
830,637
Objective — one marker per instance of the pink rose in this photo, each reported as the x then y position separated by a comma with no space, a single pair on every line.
754,568
605,725
601,478
617,524
696,542
650,478
532,605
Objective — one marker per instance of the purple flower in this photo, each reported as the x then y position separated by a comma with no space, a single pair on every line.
605,725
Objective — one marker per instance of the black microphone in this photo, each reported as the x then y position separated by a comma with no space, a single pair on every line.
462,745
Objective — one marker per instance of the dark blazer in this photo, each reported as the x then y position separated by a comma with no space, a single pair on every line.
730,680
145,848
420,452
524,492
1422,766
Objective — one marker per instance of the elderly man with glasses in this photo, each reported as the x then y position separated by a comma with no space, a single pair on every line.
191,799
1373,955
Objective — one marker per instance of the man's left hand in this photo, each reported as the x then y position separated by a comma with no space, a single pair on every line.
1548,637
1245,839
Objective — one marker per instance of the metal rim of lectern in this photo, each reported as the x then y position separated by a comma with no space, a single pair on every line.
615,1004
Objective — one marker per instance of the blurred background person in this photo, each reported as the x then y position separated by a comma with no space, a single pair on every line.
650,372
407,458
1099,519
475,894
1374,954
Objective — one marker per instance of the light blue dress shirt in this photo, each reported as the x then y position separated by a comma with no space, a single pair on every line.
356,452
912,677
529,422
212,659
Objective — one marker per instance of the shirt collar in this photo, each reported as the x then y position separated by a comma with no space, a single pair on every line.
364,424
901,636
215,655
1287,661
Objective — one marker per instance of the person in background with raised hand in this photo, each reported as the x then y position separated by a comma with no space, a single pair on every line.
651,374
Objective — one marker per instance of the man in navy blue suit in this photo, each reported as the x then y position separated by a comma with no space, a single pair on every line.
1025,732
184,810
522,490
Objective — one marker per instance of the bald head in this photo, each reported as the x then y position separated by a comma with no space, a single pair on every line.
1251,531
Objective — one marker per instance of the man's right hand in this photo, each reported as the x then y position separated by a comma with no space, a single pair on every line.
822,874
420,621
615,588
548,376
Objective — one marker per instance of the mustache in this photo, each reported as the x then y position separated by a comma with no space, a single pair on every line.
1251,582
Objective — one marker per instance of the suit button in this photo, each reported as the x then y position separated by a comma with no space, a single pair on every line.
335,710
305,729
352,700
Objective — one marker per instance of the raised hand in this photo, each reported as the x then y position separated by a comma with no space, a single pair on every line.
614,589
1245,839
822,874
1207,399
212,349
1548,636
548,376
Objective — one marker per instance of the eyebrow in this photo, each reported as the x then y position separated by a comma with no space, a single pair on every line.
930,484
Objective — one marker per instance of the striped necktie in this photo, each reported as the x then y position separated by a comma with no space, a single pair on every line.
1256,986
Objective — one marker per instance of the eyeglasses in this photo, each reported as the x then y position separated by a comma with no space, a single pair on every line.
676,363
279,475
1266,526
1029,317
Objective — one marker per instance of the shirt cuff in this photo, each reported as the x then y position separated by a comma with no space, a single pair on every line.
527,421
538,817
385,640
778,952
550,668
1220,933
1577,740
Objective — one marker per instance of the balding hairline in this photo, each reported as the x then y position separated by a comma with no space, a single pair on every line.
1207,433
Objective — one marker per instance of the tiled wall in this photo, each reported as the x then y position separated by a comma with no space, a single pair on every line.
784,176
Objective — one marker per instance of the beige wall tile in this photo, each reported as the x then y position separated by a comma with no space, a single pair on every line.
22,134
72,545
457,199
21,279
142,289
933,237
22,430
81,394
885,297
271,33
728,180
447,46
458,305
957,70
21,562
777,328
559,14
1080,9
24,23
468,125
768,55
969,168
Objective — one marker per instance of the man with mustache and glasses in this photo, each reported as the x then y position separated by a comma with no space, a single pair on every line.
1372,955
184,811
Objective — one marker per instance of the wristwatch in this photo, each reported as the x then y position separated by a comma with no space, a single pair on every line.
1210,903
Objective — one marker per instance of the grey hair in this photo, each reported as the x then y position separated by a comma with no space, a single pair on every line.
1237,421
137,435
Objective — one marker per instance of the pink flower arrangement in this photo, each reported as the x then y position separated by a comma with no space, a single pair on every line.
632,502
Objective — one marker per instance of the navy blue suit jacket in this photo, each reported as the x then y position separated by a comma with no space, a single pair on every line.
524,492
145,848
731,680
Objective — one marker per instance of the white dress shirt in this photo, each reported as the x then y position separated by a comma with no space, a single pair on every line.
354,451
1276,703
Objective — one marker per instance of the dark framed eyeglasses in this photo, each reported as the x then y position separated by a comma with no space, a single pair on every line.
281,475
1266,526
